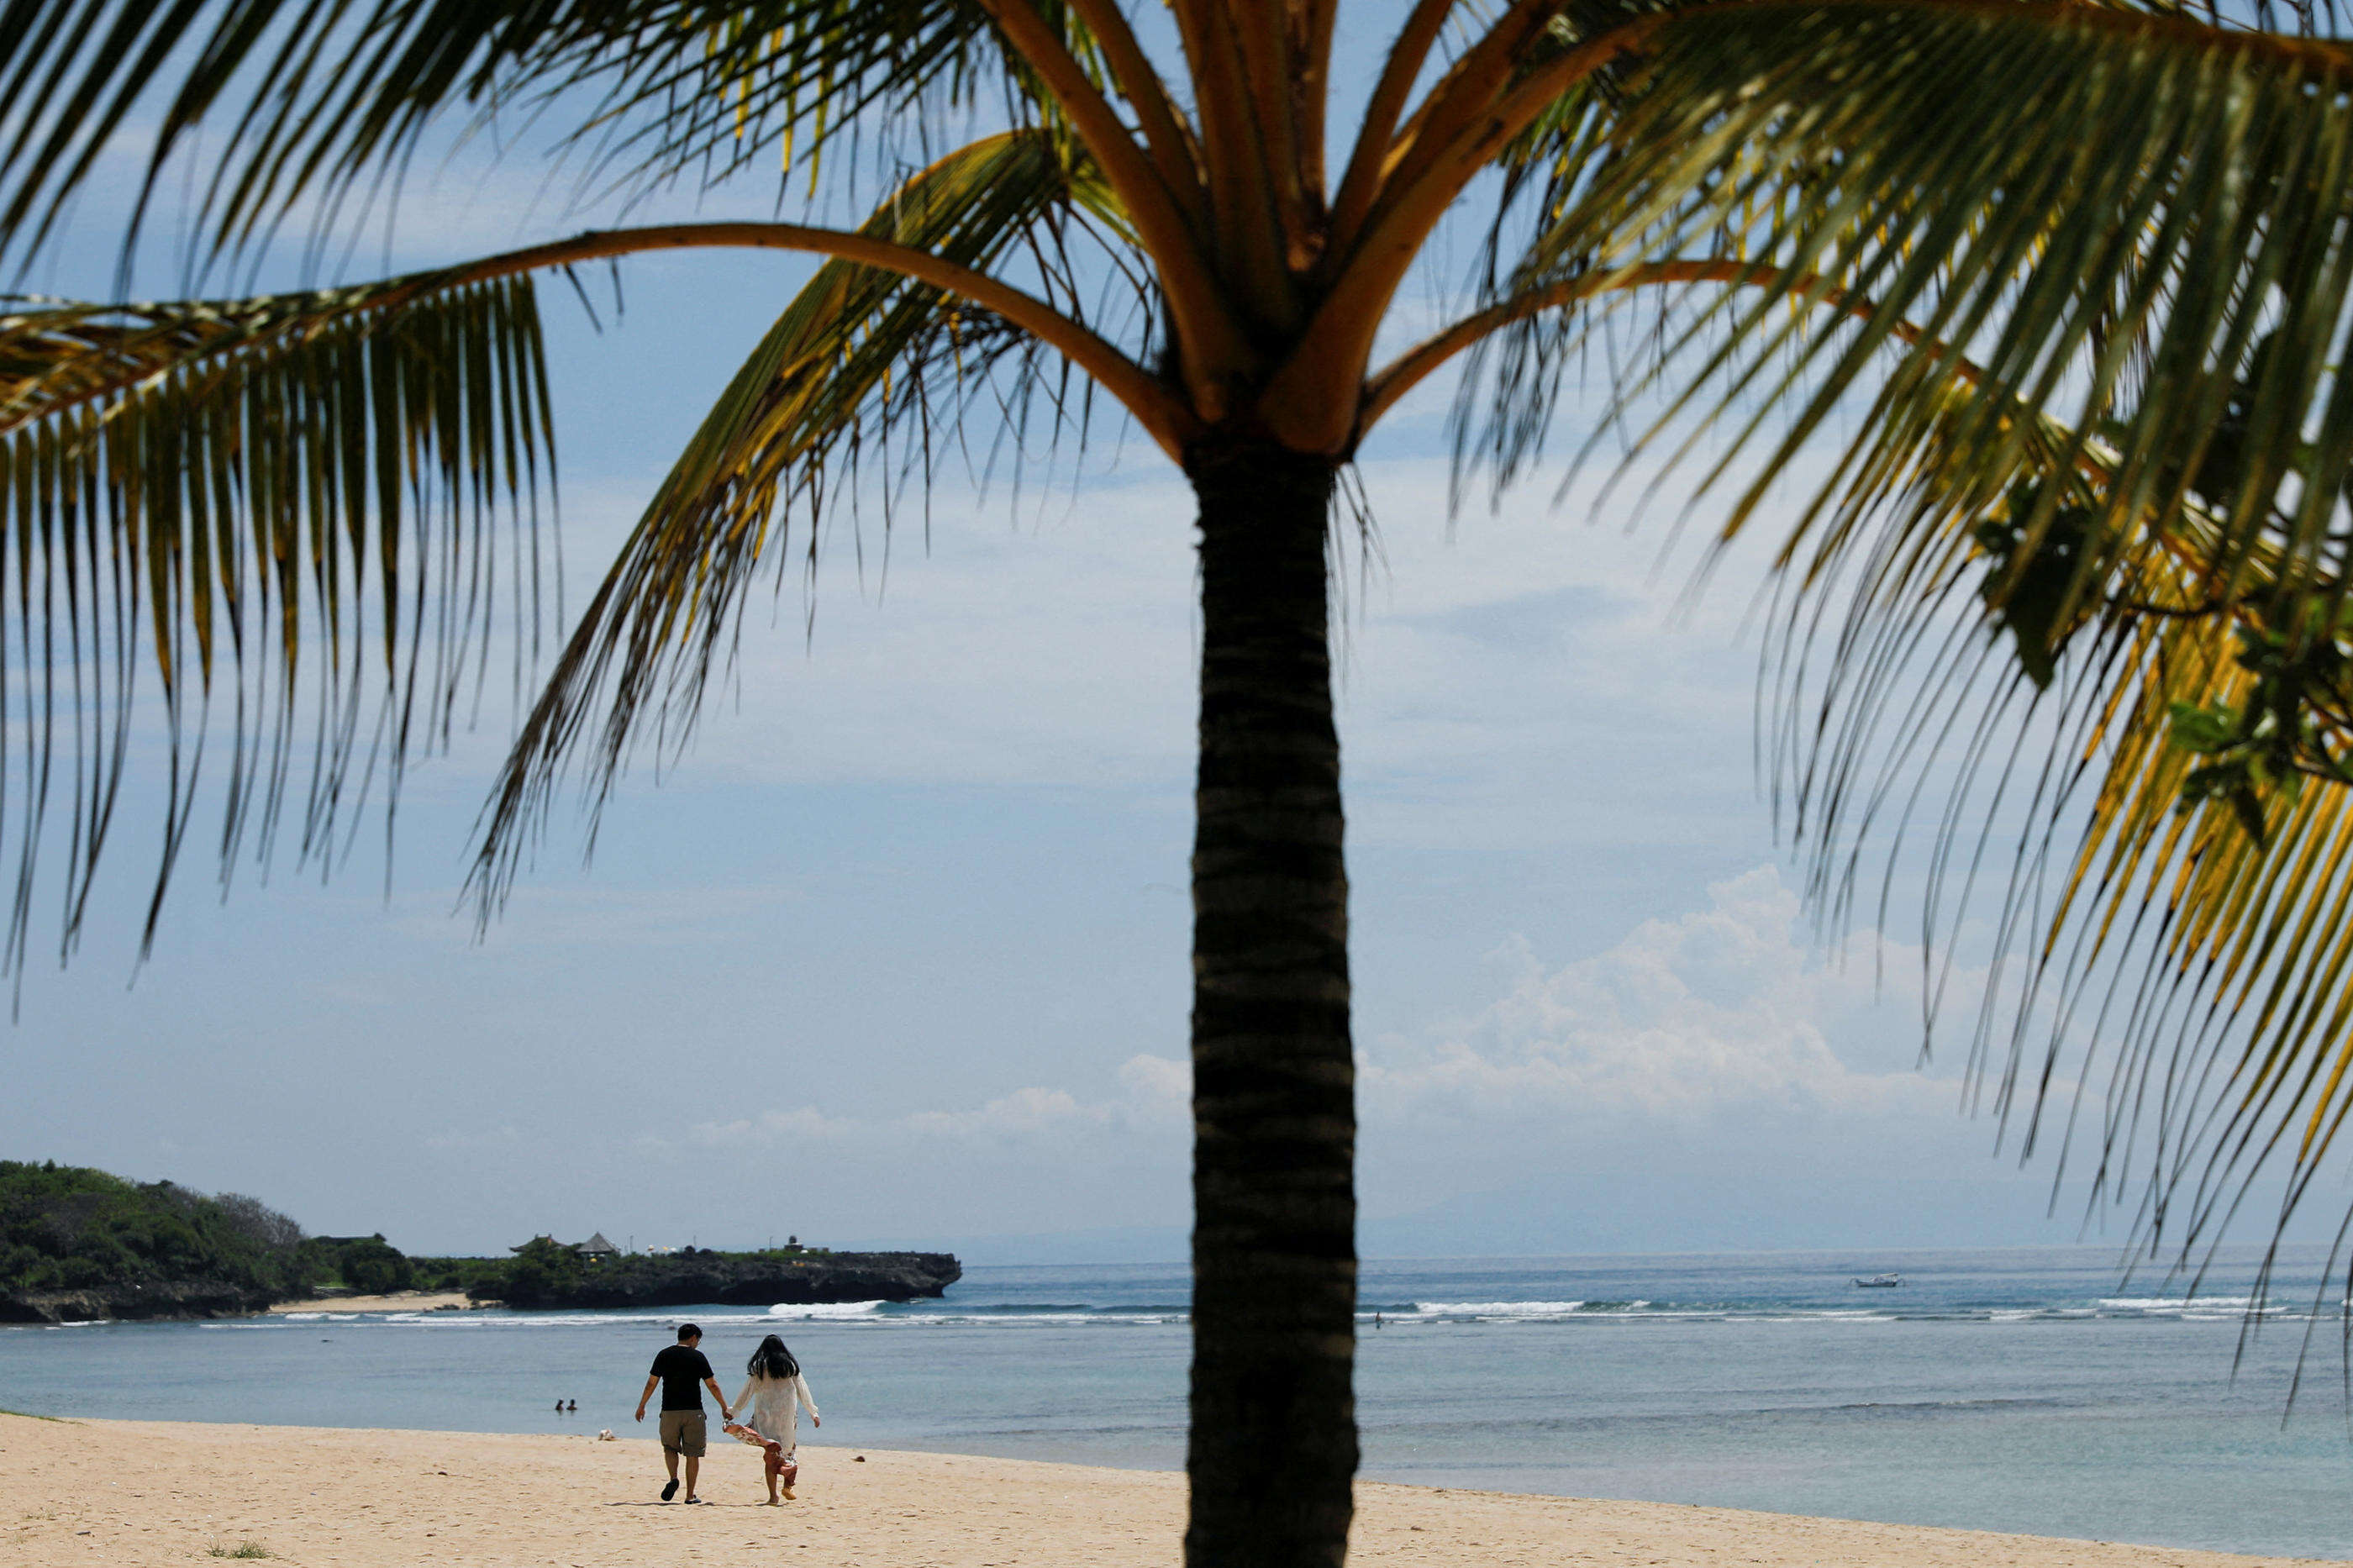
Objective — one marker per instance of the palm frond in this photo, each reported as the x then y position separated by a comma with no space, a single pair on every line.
860,354
2180,893
2106,214
314,90
707,89
2090,273
286,508
319,99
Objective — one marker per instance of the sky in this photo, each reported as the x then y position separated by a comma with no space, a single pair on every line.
897,952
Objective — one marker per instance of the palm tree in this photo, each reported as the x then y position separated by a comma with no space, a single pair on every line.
2059,287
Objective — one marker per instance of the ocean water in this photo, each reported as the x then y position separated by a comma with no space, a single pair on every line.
2026,1390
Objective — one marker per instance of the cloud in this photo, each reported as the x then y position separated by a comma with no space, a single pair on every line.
1491,670
1157,1086
1724,1022
1156,1094
1010,1118
1721,1011
798,1126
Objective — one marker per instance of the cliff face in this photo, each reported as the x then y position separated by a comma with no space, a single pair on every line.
743,1280
156,1299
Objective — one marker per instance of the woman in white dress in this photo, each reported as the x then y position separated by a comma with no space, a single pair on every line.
769,1404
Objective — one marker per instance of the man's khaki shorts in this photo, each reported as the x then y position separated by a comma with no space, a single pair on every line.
683,1433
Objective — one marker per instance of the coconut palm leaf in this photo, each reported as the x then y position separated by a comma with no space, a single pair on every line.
275,495
322,96
2059,232
2181,886
2083,292
312,85
860,353
2174,765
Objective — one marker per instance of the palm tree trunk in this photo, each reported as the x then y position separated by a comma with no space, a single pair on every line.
1272,1453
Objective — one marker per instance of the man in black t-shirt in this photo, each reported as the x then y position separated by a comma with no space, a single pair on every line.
682,1373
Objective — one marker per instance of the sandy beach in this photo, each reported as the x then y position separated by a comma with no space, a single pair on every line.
140,1493
398,1301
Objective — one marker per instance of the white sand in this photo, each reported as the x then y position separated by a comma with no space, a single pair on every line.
141,1493
398,1301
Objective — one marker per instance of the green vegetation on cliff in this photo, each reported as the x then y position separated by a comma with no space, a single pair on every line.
364,1265
66,1228
77,1243
546,1273
544,1268
480,1277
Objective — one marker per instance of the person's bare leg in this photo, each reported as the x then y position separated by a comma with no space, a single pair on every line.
692,1467
775,1466
670,1461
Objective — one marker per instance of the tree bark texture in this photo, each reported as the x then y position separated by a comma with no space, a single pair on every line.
1273,1454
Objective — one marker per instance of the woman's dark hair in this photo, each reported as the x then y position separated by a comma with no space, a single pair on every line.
772,1360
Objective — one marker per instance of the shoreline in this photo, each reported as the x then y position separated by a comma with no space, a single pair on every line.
398,1301
128,1494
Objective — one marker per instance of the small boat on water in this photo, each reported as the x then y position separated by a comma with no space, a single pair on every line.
1880,1283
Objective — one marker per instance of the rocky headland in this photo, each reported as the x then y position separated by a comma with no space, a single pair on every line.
133,1299
77,1243
735,1279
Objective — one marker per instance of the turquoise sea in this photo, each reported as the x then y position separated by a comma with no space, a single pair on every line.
2031,1390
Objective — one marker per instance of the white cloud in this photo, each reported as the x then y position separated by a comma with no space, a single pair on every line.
1157,1086
1489,669
1726,1010
1723,1018
1022,1114
1156,1092
798,1126
1723,1029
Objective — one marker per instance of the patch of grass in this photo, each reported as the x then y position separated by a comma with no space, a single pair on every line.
251,1549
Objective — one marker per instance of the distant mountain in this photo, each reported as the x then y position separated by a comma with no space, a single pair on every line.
77,1243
